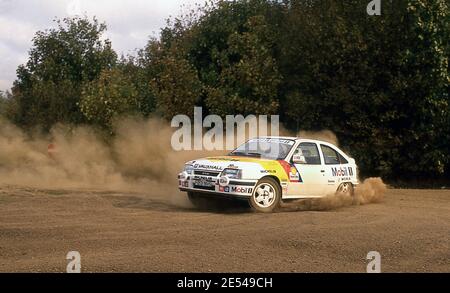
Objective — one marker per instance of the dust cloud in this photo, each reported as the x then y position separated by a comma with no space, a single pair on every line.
324,135
139,158
370,190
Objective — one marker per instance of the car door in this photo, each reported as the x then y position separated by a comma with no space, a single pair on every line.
311,174
335,166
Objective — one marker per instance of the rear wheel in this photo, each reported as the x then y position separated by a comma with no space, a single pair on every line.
346,189
266,197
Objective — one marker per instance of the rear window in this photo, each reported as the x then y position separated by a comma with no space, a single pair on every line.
330,156
342,159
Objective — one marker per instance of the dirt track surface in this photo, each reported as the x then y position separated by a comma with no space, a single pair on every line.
117,232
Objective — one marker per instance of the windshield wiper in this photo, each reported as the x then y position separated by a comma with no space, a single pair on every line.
237,154
255,155
244,154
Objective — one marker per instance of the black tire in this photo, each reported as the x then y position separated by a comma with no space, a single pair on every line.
268,198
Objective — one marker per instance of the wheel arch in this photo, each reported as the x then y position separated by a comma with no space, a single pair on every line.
277,180
344,182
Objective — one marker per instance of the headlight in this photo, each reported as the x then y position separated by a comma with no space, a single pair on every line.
189,169
232,173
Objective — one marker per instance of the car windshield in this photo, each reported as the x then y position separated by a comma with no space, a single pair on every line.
266,148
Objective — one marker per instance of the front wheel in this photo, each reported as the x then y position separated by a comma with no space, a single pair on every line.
266,197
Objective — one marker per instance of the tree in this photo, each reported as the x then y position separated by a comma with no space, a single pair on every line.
379,82
3,103
111,95
48,86
7,105
248,82
424,81
143,68
140,78
177,86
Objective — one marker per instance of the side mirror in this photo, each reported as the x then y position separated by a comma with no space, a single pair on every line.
299,159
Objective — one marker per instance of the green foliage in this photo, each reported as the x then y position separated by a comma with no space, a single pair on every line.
249,78
176,86
48,87
140,73
111,95
381,83
3,104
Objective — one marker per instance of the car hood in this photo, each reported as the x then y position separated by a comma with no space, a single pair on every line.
222,162
252,168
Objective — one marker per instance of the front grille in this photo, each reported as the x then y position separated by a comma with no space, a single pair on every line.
211,188
207,173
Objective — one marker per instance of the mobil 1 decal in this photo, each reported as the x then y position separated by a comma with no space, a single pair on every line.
341,171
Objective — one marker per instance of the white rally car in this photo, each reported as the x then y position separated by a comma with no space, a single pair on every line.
266,170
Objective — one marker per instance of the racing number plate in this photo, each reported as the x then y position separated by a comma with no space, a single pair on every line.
203,182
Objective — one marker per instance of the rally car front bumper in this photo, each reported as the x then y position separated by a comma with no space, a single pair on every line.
236,188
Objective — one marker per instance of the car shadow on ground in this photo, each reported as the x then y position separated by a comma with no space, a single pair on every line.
216,205
136,200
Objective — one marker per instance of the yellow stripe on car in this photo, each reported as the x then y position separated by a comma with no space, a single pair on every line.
273,167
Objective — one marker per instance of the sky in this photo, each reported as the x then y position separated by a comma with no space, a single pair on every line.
130,24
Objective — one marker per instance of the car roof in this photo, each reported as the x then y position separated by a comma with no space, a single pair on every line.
279,137
297,139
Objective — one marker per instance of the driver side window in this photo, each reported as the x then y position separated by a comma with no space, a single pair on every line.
310,151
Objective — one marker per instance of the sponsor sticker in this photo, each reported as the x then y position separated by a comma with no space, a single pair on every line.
268,171
224,181
227,159
240,189
236,189
224,188
342,171
274,140
208,167
293,174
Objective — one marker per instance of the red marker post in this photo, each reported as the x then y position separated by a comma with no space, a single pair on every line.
51,150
